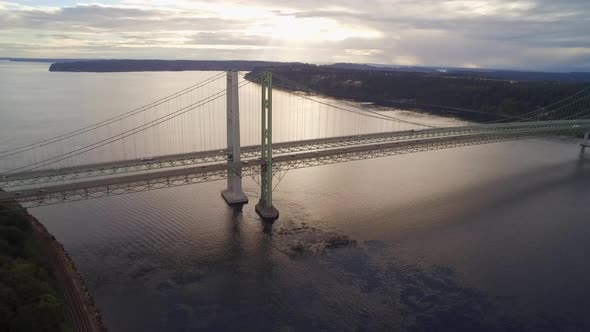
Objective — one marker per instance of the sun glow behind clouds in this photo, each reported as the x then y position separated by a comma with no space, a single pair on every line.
291,28
280,24
535,34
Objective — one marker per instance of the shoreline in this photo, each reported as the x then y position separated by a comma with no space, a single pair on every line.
85,315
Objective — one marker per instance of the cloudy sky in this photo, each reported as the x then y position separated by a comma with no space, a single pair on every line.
529,34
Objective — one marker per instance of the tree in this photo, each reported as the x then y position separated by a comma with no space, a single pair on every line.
8,304
50,312
14,237
28,299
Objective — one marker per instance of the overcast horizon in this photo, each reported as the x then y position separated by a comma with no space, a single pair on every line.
538,35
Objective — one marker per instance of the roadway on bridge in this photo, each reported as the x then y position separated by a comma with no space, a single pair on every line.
115,168
85,189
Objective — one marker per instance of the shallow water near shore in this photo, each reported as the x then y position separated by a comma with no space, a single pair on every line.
483,238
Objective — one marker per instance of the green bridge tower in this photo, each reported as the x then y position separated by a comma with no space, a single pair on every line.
264,208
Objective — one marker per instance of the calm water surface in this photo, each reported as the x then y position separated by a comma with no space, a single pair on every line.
485,238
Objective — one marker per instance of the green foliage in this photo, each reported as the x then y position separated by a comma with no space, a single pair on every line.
13,235
14,219
29,298
409,90
50,312
5,249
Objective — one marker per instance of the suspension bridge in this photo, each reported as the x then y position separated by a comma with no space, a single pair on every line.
222,129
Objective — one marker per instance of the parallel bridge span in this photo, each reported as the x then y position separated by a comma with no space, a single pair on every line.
249,152
87,189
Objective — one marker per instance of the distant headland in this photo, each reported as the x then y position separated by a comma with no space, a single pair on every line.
116,65
106,66
141,65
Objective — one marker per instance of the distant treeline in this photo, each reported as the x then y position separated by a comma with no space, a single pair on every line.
30,296
498,74
159,65
433,92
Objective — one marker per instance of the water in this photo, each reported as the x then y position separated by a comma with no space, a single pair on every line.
490,237
65,102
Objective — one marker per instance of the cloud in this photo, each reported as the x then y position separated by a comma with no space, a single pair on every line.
534,34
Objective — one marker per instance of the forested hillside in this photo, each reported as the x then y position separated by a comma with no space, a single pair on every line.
427,91
30,297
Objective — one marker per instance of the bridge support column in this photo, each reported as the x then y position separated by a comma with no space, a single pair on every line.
586,143
264,208
233,194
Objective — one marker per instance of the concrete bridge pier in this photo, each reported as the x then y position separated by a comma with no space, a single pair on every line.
586,143
233,195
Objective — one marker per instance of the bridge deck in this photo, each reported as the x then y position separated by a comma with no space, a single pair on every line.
53,194
117,168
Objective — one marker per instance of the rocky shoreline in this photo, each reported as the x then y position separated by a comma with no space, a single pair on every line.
86,317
